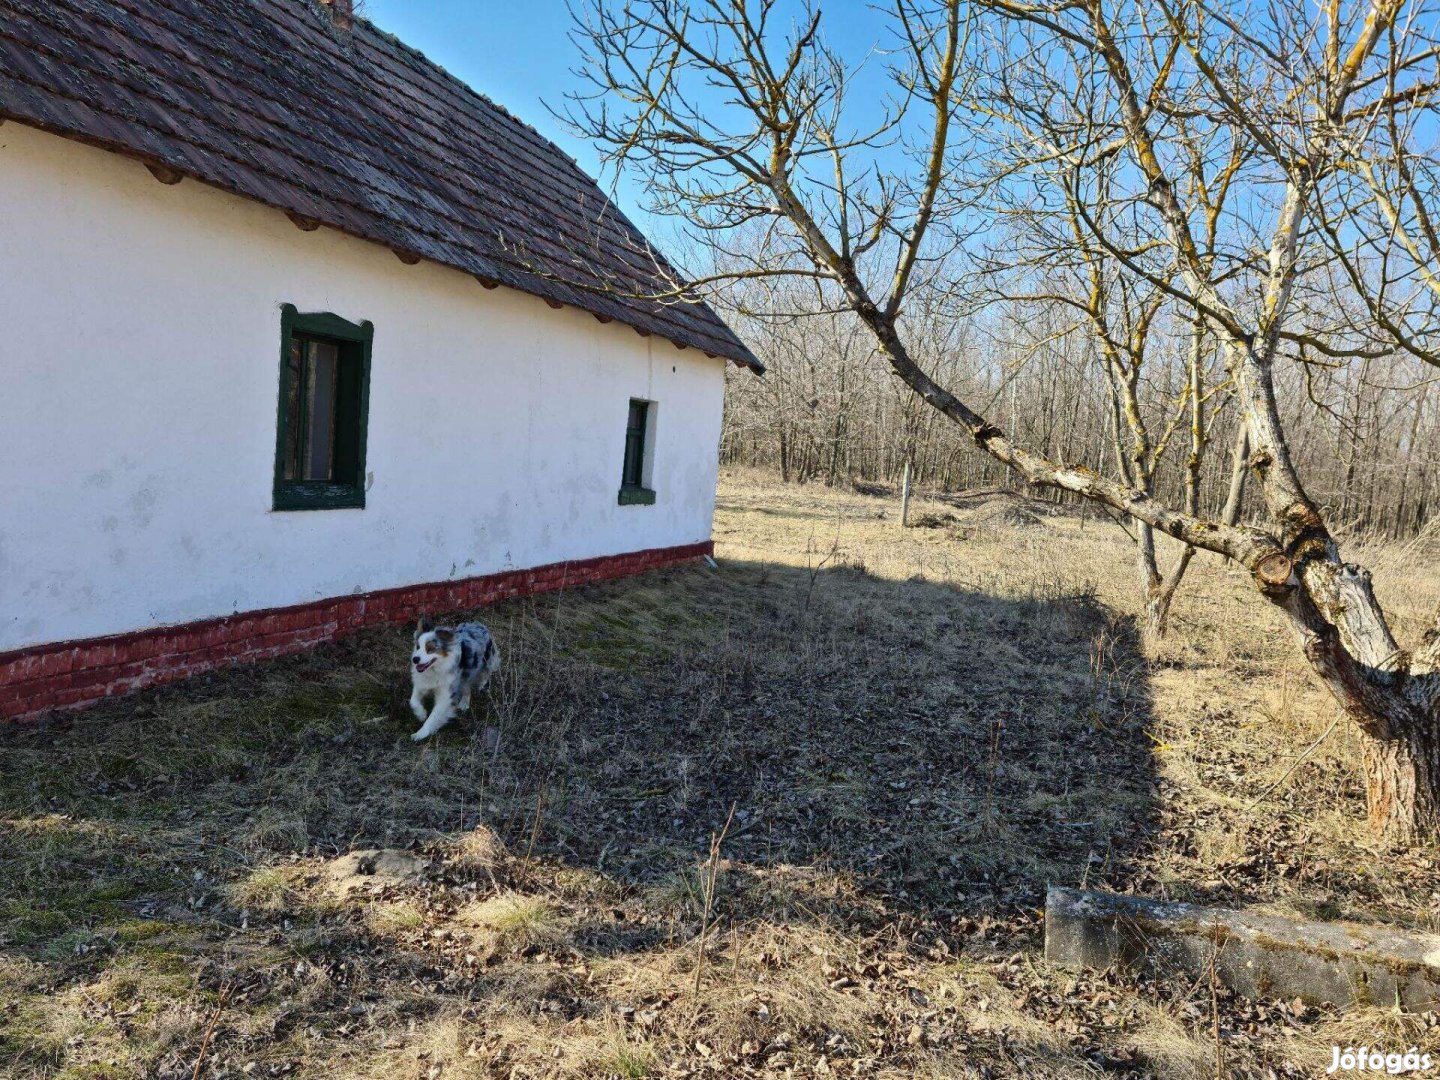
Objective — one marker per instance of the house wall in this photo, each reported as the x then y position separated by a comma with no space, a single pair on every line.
140,359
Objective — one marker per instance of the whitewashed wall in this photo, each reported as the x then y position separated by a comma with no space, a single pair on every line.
139,359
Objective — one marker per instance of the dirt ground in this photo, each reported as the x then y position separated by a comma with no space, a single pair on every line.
909,734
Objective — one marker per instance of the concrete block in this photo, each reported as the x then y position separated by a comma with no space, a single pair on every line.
1259,956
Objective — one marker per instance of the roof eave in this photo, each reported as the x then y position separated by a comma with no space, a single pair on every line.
170,173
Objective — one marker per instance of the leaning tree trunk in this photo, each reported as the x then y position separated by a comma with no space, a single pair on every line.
1393,697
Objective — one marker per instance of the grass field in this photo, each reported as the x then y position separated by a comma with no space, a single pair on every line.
909,734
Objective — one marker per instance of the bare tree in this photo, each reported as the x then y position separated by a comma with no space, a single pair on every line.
1048,256
735,116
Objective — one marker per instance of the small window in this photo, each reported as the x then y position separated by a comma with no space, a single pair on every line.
324,402
634,474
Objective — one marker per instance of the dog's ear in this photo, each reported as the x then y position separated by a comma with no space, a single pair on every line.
424,626
445,636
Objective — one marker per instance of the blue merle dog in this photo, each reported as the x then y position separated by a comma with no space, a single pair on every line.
447,663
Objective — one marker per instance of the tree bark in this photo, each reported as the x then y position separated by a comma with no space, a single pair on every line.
1393,698
1157,615
1235,498
1162,596
1402,785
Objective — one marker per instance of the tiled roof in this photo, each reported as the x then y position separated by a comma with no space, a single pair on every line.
348,128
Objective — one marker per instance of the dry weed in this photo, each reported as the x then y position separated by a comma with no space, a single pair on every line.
918,731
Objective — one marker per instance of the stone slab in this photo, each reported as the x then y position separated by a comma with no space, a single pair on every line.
1260,956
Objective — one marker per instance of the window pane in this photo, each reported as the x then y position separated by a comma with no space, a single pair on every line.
634,466
349,376
323,405
633,462
294,424
321,360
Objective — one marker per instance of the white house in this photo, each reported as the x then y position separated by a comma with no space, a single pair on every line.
302,335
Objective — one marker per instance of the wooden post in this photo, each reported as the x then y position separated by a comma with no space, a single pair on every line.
905,496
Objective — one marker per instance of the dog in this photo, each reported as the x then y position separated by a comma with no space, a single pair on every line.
448,663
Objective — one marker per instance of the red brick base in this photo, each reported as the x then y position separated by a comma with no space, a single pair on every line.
69,674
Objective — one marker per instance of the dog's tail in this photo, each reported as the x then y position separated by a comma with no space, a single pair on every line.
491,660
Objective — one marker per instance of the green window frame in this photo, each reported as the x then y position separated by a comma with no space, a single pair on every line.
633,491
325,381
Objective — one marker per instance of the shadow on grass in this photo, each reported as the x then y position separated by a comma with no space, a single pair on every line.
897,754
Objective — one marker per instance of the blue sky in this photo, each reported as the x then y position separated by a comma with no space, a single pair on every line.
515,52
519,53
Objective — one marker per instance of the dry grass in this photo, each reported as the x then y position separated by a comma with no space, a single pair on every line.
918,730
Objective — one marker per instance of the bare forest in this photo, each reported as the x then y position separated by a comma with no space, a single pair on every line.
1368,438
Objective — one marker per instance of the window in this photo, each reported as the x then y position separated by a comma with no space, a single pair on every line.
635,472
324,402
